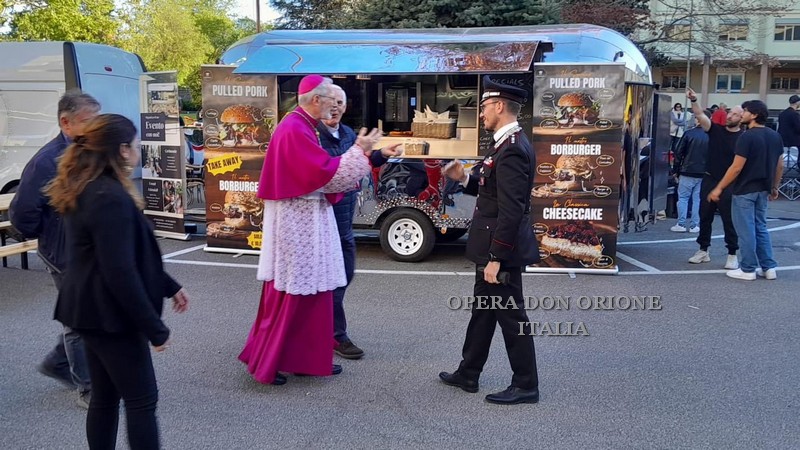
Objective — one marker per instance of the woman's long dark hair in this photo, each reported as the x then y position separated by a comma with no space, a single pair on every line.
92,153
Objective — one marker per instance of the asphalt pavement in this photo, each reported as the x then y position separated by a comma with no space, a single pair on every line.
715,367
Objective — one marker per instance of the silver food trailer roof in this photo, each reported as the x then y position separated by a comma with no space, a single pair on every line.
435,50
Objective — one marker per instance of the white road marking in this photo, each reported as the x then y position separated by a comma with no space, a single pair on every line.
212,264
464,274
646,268
693,307
699,272
636,262
692,239
184,251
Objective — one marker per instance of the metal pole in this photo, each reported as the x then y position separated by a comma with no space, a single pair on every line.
687,102
258,16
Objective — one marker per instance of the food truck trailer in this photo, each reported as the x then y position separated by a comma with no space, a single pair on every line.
589,114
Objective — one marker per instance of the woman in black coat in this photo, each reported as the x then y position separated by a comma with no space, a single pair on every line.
115,282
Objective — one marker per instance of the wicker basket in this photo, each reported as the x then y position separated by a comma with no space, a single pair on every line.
439,130
415,147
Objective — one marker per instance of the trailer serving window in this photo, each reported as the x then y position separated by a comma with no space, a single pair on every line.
422,95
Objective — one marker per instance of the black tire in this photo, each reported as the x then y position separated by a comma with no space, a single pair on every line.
450,236
407,235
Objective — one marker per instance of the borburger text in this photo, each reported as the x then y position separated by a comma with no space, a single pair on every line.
227,90
241,186
559,302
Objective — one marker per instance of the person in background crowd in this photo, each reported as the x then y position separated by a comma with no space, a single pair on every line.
755,175
114,283
501,240
720,115
691,162
337,138
31,214
301,261
721,143
789,129
677,124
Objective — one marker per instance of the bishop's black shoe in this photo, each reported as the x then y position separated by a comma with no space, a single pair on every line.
513,395
279,380
335,370
458,380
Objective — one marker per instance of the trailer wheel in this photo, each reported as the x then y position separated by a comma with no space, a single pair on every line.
450,236
407,235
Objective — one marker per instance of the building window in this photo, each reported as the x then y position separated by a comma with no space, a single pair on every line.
733,31
730,82
679,32
787,32
673,82
785,82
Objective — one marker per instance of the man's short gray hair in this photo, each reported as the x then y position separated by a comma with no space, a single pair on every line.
337,88
74,101
322,89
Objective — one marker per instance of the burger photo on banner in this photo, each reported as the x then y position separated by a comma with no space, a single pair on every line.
577,108
575,175
581,100
240,114
242,214
244,126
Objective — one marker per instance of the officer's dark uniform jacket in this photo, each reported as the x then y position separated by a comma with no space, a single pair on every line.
501,224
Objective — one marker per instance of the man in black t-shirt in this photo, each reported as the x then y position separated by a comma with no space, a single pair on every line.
755,175
721,144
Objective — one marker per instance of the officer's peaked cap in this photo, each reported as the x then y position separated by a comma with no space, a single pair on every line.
494,89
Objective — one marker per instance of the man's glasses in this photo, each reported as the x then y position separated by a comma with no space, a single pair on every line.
483,106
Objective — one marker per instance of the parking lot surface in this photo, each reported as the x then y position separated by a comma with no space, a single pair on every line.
715,367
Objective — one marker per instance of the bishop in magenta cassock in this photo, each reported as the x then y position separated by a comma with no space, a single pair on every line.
301,257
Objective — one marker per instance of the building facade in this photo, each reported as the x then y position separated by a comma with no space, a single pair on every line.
729,56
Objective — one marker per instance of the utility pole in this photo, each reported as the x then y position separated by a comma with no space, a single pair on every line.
258,16
689,54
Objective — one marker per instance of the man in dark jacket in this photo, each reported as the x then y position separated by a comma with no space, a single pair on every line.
789,127
337,138
691,162
31,214
501,243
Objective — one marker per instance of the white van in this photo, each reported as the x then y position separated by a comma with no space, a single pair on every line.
34,75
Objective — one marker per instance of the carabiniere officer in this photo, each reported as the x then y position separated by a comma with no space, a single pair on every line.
501,240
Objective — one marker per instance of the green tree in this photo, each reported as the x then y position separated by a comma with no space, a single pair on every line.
454,13
68,20
164,33
222,32
314,14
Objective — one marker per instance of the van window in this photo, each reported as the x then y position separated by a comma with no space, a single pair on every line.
28,118
117,94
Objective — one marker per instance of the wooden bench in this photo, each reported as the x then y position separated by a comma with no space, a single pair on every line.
19,248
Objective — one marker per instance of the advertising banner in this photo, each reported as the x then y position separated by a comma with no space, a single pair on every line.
577,138
240,111
163,162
